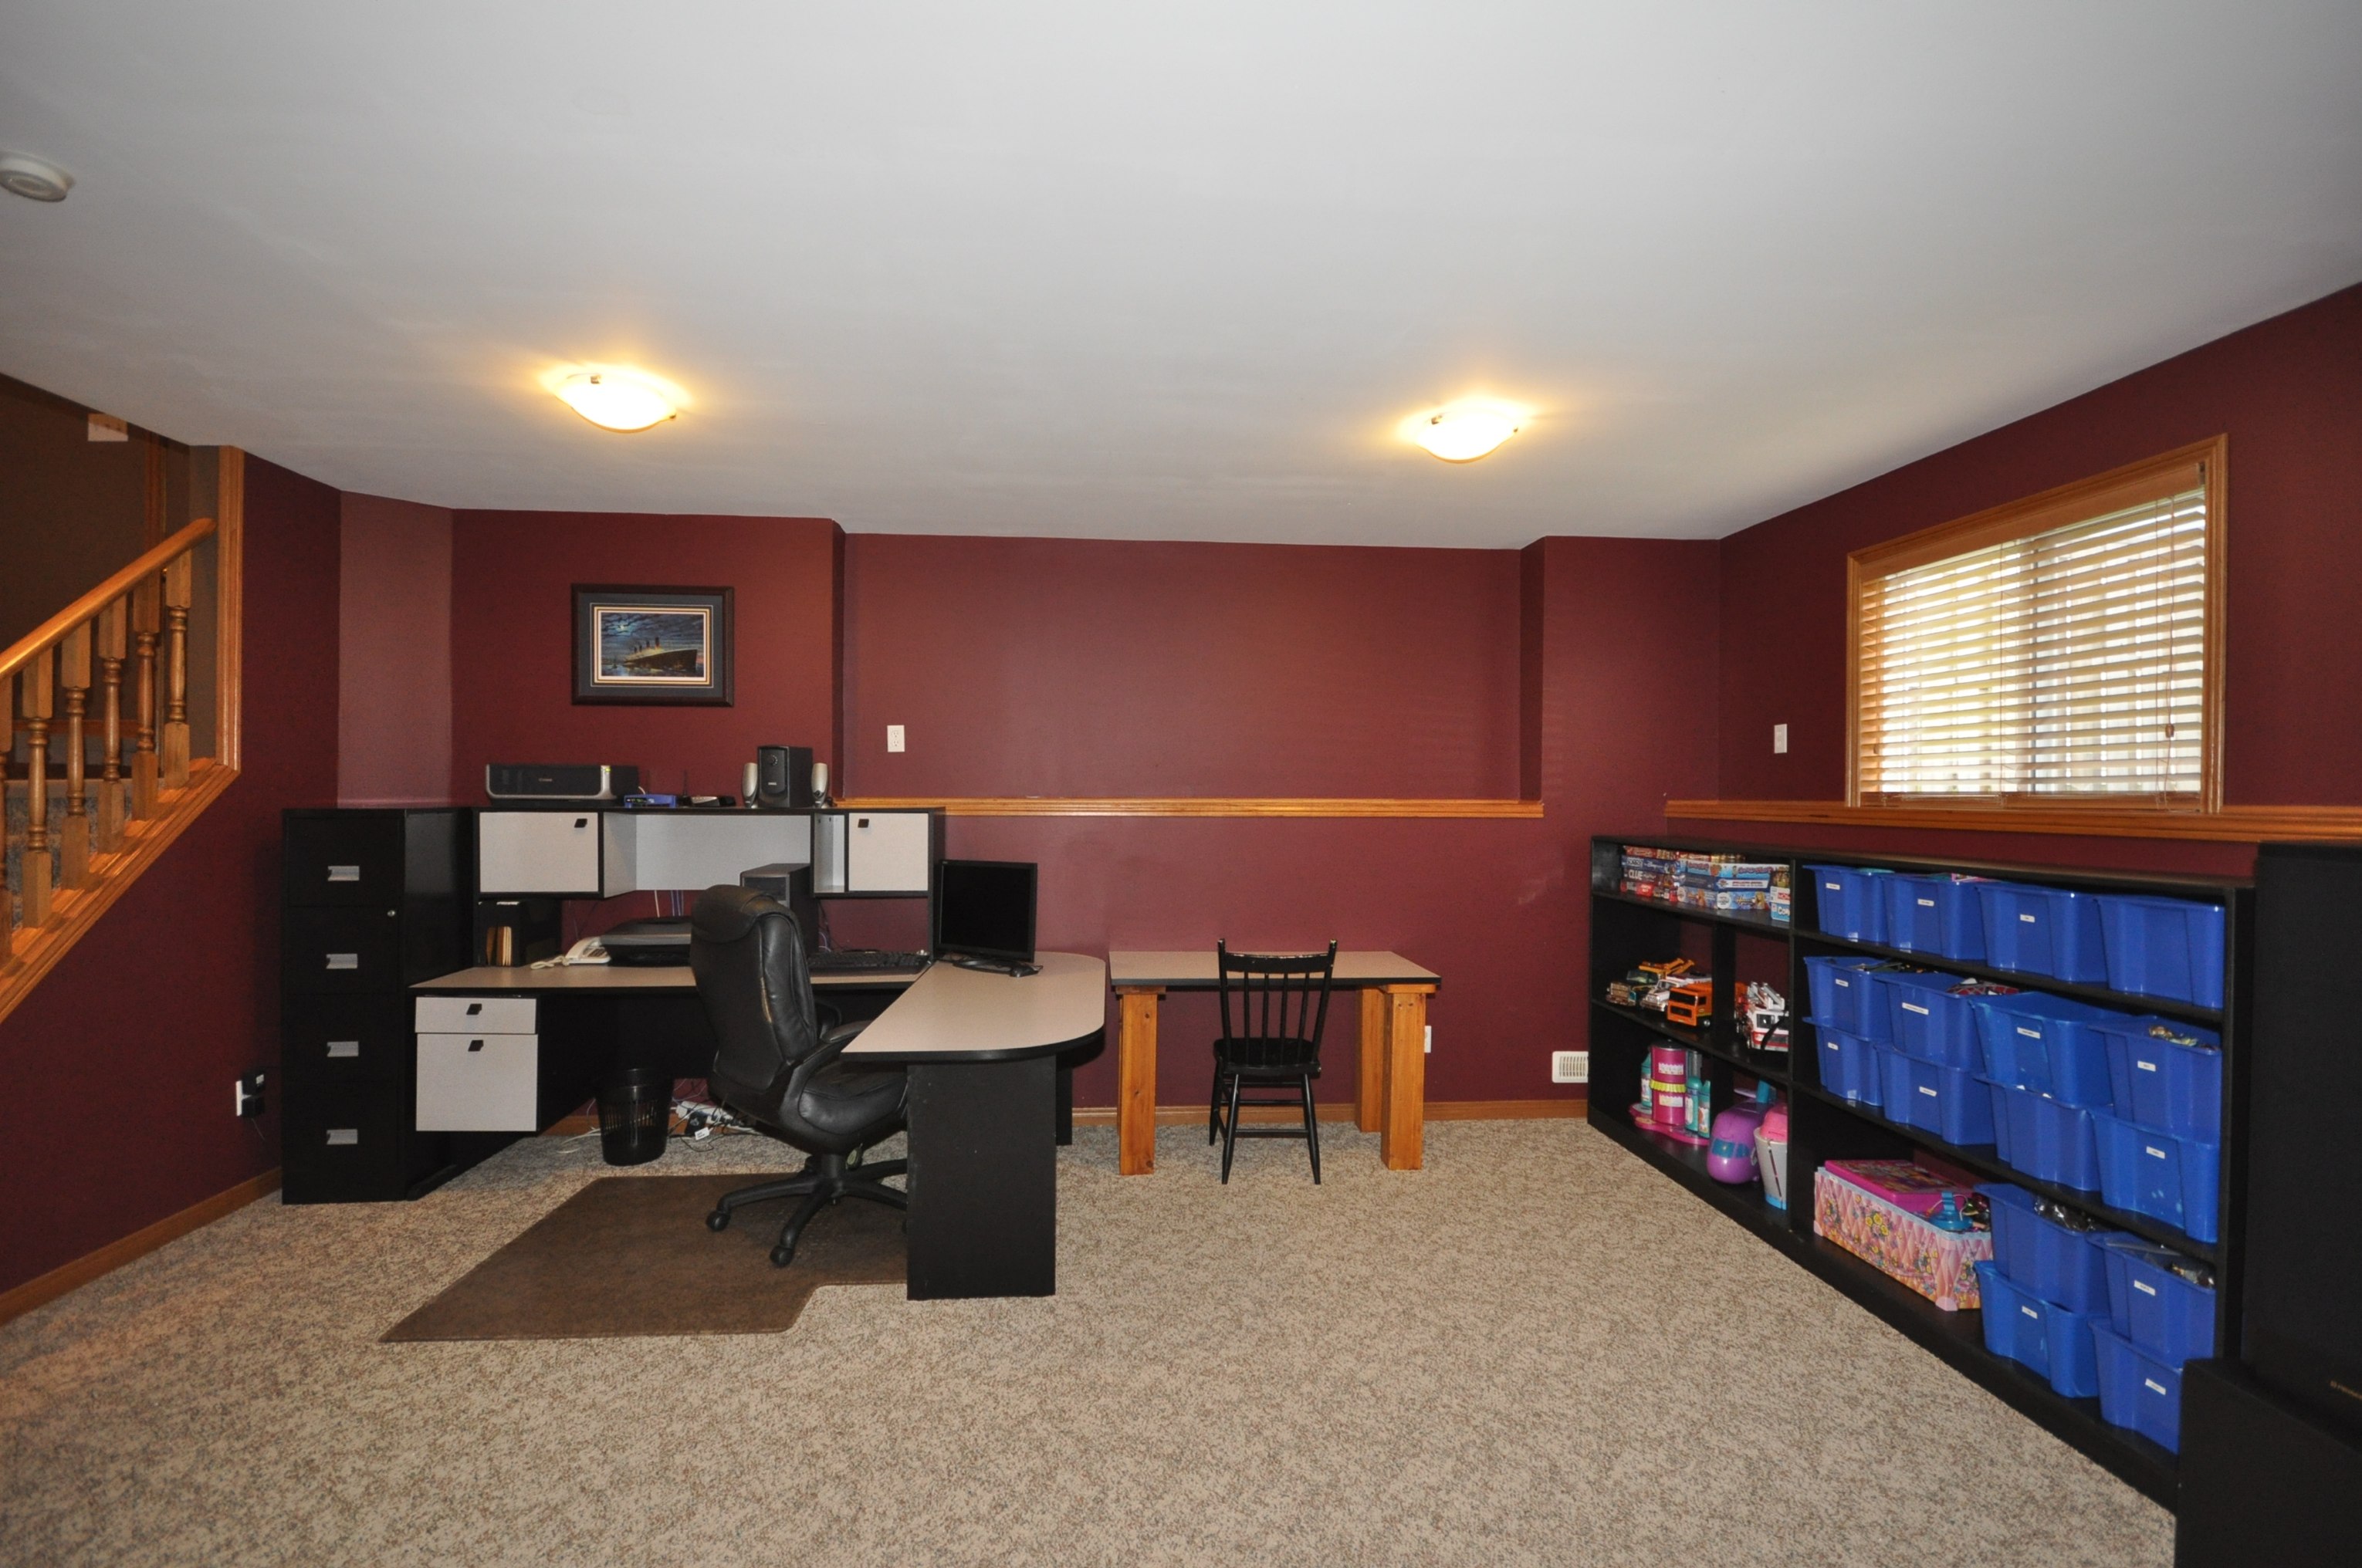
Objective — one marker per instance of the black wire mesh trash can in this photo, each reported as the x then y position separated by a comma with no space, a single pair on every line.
634,1114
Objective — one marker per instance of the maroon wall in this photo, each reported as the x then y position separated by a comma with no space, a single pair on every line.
512,660
1081,667
2287,391
148,1022
395,659
1091,667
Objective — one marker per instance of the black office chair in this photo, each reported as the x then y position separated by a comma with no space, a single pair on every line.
778,1067
1283,1005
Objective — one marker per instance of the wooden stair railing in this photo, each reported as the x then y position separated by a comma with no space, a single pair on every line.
69,868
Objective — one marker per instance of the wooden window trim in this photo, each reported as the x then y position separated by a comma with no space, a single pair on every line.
2058,508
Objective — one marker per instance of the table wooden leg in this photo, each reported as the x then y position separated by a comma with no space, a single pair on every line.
1135,1086
1369,1093
1401,1136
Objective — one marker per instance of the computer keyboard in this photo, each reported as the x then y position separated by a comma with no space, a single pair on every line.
853,959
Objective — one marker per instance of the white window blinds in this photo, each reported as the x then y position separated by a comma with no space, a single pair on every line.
2068,661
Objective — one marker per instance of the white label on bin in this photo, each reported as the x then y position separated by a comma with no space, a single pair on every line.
2153,1385
338,1048
342,1138
1926,904
344,874
1915,1007
2153,1151
2029,1034
343,960
2145,1066
2027,918
2029,1311
1834,886
2144,1287
1927,1092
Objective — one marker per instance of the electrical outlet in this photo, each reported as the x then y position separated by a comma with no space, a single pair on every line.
893,736
1430,1039
1778,740
1570,1067
248,1100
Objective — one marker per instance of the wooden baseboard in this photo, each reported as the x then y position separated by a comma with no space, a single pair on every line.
48,1287
1437,1111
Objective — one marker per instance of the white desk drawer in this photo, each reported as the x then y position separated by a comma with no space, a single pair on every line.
479,1083
475,1015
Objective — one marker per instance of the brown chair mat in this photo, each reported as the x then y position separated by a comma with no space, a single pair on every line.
630,1254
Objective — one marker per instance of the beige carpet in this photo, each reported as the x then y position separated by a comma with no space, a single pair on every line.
1535,1351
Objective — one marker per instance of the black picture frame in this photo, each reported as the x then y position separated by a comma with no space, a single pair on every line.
683,653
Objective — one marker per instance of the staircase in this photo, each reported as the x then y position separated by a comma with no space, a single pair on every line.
99,775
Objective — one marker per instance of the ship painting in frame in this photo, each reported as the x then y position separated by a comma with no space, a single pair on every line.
651,645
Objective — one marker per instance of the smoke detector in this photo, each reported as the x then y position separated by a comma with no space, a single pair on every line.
35,179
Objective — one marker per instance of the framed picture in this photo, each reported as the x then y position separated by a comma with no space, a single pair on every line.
651,645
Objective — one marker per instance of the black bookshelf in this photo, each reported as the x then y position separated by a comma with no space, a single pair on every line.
1627,930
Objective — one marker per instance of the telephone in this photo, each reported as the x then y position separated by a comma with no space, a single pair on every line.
589,950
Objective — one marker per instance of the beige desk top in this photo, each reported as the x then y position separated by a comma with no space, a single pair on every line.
967,1013
1194,970
625,977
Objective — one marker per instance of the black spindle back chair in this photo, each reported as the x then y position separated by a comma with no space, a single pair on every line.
1271,1036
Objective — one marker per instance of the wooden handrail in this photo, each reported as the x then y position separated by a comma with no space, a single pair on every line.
54,631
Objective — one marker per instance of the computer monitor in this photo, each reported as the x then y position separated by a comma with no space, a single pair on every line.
984,912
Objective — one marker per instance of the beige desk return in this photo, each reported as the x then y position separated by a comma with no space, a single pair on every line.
1390,1097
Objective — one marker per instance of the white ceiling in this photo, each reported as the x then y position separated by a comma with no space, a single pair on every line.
1169,270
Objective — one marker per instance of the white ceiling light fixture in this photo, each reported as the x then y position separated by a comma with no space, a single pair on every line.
35,179
1462,432
616,399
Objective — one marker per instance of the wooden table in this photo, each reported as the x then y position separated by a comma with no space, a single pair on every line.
1390,1098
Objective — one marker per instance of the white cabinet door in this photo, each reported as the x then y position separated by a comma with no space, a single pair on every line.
474,1014
537,851
479,1083
886,851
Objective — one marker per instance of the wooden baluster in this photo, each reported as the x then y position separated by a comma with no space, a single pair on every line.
145,607
33,700
74,834
110,714
7,895
179,579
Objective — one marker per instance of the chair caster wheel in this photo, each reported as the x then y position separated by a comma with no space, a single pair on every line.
783,1255
718,1220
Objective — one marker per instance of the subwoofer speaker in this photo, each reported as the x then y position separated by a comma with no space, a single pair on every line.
783,776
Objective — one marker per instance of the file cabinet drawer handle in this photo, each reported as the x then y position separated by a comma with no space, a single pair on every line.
339,1049
342,1138
343,960
344,874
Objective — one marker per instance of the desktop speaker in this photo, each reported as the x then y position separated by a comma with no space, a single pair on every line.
783,776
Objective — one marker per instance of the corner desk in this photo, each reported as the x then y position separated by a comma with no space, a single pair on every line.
980,1049
1390,1094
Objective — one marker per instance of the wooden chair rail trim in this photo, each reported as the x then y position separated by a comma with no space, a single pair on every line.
54,631
1189,805
2232,824
42,1289
75,911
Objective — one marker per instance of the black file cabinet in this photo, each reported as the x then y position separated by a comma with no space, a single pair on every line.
372,901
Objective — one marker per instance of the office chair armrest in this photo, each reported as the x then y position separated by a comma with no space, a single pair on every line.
835,1039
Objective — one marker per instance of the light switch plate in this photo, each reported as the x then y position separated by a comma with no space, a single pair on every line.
893,736
1778,740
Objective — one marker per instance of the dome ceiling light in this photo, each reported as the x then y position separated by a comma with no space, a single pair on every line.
1461,432
615,399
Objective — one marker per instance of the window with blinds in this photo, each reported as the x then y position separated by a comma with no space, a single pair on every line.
2056,649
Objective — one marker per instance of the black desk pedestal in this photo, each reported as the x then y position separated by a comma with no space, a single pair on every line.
983,1179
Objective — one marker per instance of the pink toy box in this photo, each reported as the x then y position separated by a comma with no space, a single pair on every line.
1890,1237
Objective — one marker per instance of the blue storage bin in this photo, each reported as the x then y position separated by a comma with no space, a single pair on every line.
1850,1066
1926,1019
2164,1082
2041,1255
2051,1339
2165,1316
2164,946
1936,915
2164,1174
1948,1101
2045,1138
1850,903
2043,930
2137,1391
1837,995
2047,1044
